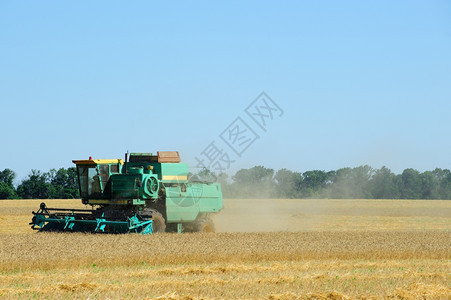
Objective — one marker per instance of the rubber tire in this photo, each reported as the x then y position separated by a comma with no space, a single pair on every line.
205,225
159,223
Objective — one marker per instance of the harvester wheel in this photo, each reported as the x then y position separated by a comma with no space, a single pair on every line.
158,224
205,225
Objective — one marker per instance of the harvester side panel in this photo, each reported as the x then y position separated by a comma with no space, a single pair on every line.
184,203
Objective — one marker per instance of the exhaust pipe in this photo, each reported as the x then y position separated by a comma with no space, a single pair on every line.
125,164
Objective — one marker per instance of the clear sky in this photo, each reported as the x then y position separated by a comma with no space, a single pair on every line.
357,82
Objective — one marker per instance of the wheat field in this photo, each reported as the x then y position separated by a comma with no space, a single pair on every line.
263,249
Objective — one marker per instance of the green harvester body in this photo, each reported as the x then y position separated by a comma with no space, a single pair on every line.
146,193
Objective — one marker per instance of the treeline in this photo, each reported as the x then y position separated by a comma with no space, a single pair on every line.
362,182
54,184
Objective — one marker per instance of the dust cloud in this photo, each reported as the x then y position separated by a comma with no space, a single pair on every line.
294,215
268,215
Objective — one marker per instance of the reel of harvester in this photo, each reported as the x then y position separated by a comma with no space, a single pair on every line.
87,220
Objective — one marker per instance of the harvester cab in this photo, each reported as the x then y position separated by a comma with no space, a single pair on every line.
128,196
94,175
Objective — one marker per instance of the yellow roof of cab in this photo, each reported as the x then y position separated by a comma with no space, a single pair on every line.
98,161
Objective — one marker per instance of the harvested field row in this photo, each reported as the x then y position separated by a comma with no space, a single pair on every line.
56,250
306,279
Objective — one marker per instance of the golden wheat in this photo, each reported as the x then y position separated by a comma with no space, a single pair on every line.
356,258
55,250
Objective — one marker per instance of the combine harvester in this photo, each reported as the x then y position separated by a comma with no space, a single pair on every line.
149,193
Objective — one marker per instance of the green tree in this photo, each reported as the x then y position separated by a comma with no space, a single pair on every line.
7,176
254,182
340,184
206,175
430,185
313,183
36,186
288,183
443,177
361,181
7,190
352,183
65,183
257,174
383,184
222,178
411,184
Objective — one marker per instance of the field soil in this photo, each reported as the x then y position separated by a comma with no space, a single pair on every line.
263,249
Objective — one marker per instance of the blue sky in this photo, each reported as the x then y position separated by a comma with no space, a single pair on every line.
358,82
